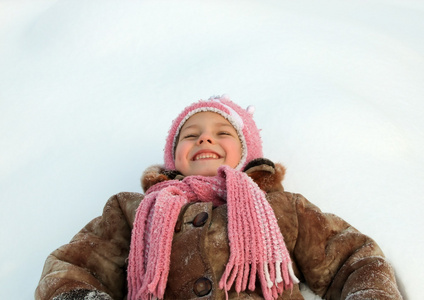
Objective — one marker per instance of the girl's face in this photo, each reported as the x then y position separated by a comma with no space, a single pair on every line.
206,141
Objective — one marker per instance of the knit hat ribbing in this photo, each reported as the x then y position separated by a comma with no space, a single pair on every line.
241,119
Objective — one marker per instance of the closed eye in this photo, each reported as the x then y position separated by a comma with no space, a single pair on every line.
190,136
226,133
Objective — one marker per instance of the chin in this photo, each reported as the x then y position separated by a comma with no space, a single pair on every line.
208,172
207,168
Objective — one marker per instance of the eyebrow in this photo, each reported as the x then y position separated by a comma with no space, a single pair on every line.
225,124
216,124
188,127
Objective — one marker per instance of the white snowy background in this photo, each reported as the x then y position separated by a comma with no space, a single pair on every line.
88,90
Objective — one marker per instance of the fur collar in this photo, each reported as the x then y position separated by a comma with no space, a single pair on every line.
265,173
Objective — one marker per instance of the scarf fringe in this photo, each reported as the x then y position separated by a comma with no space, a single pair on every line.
275,277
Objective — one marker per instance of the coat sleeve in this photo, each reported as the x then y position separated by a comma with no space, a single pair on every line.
337,261
95,259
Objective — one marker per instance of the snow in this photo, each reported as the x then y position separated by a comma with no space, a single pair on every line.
88,90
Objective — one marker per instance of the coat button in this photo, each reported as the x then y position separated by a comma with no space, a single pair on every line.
200,219
202,287
178,226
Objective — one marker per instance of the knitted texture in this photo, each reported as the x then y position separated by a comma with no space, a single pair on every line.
257,247
241,119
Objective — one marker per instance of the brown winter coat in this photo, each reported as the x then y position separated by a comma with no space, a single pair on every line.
332,257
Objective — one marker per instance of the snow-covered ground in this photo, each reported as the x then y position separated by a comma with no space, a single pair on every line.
88,90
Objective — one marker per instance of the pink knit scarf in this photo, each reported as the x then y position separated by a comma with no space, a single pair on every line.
257,247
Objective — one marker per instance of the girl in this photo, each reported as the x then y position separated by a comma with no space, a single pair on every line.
215,223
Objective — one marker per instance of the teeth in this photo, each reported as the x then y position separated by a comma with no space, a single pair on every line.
206,155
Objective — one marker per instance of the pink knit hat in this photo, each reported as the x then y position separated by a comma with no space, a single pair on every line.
241,119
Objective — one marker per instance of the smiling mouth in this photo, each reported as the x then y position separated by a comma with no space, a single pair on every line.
206,156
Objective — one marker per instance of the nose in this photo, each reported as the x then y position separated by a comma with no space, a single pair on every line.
205,138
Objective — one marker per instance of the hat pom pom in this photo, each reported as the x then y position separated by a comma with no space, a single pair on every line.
225,97
250,109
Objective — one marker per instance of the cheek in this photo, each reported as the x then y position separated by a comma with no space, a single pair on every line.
181,153
233,154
